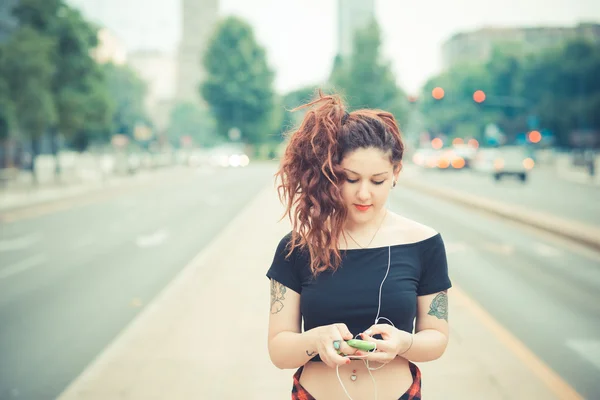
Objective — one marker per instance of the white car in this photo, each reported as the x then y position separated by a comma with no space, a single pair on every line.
506,161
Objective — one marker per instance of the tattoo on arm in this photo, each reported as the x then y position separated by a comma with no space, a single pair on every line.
310,354
439,306
277,295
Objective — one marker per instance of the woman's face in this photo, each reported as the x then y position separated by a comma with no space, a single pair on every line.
370,177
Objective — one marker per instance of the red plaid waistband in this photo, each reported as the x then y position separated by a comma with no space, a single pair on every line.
413,392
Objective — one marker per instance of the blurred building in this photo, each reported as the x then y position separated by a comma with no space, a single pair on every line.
476,46
158,70
139,24
8,22
199,18
109,49
352,16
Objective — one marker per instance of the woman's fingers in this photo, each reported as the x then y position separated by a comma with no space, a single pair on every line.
344,331
329,353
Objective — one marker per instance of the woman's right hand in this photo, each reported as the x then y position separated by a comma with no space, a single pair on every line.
325,336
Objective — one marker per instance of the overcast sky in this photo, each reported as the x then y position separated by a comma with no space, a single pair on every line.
301,36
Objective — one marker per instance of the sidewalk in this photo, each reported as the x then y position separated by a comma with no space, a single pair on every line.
205,335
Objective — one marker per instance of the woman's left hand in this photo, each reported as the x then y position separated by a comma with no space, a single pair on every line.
393,342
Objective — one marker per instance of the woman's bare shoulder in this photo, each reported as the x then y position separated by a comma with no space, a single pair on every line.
407,230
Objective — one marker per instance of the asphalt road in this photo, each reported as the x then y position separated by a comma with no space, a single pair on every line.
540,288
70,281
542,192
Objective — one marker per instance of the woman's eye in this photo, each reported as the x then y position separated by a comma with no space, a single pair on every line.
352,180
378,183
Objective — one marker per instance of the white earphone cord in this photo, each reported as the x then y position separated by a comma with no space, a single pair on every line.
369,369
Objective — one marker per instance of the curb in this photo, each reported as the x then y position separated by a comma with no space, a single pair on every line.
565,228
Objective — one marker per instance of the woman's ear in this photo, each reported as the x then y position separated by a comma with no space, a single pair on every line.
397,170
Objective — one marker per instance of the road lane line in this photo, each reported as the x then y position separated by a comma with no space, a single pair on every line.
550,378
22,265
499,248
19,243
547,251
587,349
153,239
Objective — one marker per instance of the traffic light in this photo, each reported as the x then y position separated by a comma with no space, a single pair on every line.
438,93
479,96
535,136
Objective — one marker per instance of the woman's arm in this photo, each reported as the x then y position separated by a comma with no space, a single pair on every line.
431,331
288,347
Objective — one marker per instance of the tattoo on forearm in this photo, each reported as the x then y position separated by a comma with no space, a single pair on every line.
310,354
439,306
277,296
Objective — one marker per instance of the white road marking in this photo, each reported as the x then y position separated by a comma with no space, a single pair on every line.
19,243
547,251
153,239
22,265
588,349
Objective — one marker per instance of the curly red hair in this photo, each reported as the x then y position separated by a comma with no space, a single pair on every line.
311,176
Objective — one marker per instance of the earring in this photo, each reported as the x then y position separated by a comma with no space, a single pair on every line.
394,184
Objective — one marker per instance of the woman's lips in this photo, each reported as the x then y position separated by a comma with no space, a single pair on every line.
362,208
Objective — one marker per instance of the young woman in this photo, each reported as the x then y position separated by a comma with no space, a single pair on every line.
350,268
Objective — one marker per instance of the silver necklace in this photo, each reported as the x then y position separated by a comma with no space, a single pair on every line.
375,234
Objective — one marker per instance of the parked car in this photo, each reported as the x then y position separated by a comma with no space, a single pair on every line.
505,161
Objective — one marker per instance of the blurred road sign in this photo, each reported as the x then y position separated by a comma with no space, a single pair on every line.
142,132
186,140
119,140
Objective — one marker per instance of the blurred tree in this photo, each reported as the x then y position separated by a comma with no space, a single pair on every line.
291,100
556,86
365,79
83,101
189,119
127,92
7,107
84,109
26,61
239,83
563,86
456,114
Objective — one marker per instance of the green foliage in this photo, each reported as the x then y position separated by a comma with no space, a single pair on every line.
365,79
78,101
82,100
239,83
127,92
456,111
558,85
563,87
7,109
26,61
292,100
